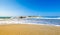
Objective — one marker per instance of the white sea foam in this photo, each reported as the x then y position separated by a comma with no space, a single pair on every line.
21,21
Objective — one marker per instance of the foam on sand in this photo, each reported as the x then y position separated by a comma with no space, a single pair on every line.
21,27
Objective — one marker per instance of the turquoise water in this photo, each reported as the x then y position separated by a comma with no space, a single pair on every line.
5,17
51,16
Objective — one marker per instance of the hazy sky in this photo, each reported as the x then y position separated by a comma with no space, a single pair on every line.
29,7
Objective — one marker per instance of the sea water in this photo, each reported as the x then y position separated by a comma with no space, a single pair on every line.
31,21
43,21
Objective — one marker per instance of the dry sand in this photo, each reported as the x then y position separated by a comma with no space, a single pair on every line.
28,29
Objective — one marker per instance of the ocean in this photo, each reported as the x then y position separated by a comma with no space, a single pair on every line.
44,21
35,21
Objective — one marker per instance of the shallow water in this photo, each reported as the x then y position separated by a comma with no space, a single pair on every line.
32,21
44,21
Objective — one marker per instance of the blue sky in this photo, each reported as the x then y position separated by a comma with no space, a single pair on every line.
29,7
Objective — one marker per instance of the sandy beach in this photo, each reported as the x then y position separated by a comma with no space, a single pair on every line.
29,29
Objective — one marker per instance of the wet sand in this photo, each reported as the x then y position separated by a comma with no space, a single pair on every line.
29,29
